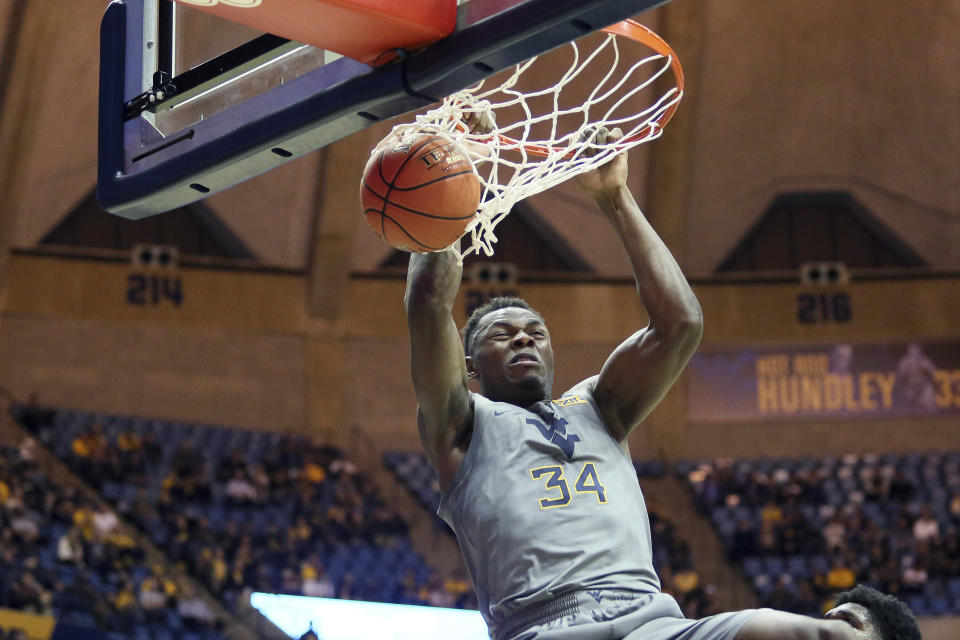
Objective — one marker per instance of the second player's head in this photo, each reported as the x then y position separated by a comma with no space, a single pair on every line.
508,351
875,616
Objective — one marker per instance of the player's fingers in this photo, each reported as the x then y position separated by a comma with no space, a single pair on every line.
471,119
480,122
587,138
488,121
595,138
614,134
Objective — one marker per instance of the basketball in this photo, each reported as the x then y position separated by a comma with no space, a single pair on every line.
419,192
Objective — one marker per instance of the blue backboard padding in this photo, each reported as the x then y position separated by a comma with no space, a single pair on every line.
218,162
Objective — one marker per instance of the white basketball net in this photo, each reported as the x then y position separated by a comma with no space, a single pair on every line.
508,169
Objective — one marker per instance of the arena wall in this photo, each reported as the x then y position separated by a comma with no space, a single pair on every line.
239,349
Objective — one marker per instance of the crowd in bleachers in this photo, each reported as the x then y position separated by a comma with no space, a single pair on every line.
64,553
804,529
249,511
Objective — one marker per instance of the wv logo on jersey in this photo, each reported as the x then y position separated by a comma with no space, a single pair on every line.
557,434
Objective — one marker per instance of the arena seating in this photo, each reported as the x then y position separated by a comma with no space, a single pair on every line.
245,510
60,556
804,528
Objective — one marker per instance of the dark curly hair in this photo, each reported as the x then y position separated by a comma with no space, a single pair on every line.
502,302
892,617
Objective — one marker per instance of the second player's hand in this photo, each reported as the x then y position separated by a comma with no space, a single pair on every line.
609,176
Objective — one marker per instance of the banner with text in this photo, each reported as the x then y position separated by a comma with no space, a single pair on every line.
834,381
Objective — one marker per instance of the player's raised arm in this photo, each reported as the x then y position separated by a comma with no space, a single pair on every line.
437,360
641,370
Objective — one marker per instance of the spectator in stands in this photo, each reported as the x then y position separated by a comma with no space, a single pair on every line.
767,541
437,595
213,568
926,528
744,543
313,471
685,587
87,453
239,490
33,416
290,582
27,594
886,576
781,596
805,599
914,576
947,555
235,461
153,598
315,582
406,590
458,585
341,466
152,450
186,481
194,610
124,602
128,441
348,587
105,522
70,547
901,488
834,534
25,526
841,575
27,452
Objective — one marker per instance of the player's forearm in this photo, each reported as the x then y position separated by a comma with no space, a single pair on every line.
433,280
664,291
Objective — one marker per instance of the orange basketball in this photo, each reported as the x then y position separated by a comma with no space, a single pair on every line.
420,193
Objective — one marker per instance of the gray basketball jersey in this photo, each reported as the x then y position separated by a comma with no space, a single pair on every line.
545,502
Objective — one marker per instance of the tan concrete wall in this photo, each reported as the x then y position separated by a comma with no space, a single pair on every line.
815,94
237,378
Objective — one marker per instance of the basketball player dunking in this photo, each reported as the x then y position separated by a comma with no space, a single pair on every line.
541,492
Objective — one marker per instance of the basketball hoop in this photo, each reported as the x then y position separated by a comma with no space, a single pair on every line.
542,135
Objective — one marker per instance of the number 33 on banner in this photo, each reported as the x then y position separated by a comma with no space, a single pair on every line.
240,4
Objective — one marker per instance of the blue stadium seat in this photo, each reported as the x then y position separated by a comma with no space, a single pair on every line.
798,567
939,605
953,586
919,605
752,566
774,566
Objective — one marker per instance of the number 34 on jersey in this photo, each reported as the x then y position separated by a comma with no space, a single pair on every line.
558,491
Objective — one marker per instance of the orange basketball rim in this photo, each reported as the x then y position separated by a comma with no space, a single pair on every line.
637,32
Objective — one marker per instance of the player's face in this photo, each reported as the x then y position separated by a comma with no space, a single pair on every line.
512,357
858,617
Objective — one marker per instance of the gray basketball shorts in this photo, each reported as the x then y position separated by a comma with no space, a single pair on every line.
619,616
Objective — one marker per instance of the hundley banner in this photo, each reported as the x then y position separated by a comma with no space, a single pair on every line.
838,381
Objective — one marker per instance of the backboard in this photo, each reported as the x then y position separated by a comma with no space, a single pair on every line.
184,115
